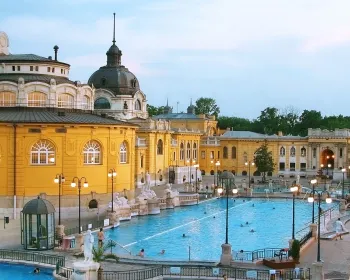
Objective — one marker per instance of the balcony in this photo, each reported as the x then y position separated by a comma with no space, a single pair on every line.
141,142
173,142
210,141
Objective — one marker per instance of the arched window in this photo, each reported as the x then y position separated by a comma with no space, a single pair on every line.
86,103
194,150
234,153
123,153
340,152
282,151
7,99
102,103
314,152
225,152
160,147
36,99
303,152
43,153
137,105
292,152
188,150
93,204
182,151
92,152
65,101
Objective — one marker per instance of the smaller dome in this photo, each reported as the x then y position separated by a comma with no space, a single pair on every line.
113,50
38,206
227,175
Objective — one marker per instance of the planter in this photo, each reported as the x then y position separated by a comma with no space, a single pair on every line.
279,264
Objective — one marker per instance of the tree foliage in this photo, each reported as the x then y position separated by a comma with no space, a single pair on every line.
264,160
207,106
154,111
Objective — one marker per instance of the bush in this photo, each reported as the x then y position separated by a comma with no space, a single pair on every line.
295,250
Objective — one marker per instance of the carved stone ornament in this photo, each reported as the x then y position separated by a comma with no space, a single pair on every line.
70,147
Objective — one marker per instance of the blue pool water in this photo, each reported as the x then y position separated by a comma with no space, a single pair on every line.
204,227
23,272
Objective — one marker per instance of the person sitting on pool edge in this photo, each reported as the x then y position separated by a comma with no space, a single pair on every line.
141,253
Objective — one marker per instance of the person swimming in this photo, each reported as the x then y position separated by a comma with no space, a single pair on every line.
241,225
36,270
214,217
183,235
252,230
162,252
253,205
246,223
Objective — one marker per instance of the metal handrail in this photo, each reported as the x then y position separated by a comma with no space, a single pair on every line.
36,257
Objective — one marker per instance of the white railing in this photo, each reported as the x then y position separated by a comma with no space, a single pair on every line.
174,142
141,142
214,141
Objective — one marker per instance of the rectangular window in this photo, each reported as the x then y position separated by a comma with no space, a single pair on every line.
48,69
203,154
61,71
31,68
34,130
37,68
61,130
303,166
53,69
292,166
282,166
18,68
13,68
212,155
218,154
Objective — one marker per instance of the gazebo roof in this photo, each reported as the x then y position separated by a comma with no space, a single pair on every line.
38,206
227,175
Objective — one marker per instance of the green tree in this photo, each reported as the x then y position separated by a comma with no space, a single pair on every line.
263,160
154,111
309,119
207,106
235,123
270,120
289,119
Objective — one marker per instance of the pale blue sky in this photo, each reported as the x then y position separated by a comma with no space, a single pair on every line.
247,54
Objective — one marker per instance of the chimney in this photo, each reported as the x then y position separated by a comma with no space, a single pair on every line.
280,133
56,50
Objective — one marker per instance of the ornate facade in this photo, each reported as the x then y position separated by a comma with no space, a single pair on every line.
321,151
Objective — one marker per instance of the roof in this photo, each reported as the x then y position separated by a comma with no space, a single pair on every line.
28,78
38,206
176,116
45,115
28,58
254,135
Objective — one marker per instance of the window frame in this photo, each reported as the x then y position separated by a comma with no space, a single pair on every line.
42,149
160,147
36,102
92,150
123,153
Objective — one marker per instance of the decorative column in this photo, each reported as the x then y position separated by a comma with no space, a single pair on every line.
309,157
318,156
336,155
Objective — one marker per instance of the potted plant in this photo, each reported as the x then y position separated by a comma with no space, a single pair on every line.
100,254
295,250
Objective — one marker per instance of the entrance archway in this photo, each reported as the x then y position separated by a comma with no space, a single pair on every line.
327,158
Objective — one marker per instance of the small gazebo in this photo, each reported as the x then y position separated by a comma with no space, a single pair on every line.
38,225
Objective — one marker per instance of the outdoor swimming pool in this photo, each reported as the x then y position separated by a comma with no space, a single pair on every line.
204,227
23,272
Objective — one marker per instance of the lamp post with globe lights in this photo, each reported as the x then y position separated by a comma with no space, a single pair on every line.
196,166
249,163
73,185
342,191
313,183
59,179
216,172
111,174
227,182
311,199
294,190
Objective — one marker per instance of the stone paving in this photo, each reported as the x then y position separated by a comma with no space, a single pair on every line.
335,254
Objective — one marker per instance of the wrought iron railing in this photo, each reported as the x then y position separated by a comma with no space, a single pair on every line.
305,238
65,272
36,257
202,271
